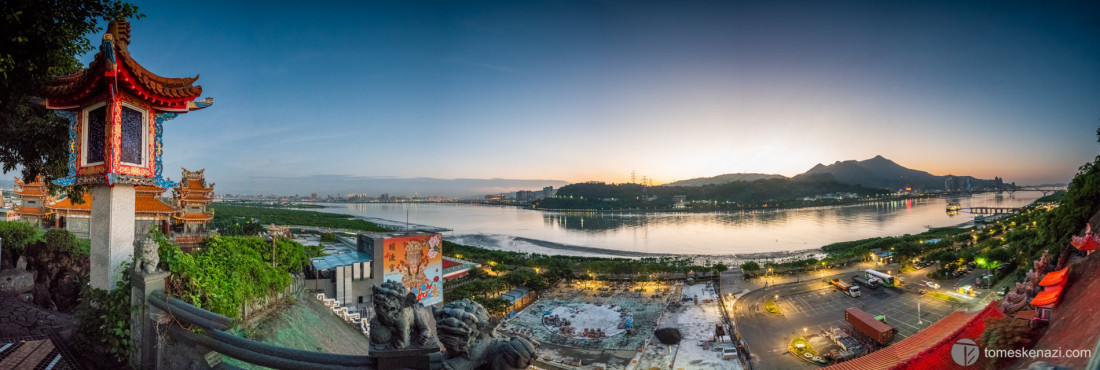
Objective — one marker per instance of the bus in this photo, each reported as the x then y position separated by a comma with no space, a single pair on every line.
885,279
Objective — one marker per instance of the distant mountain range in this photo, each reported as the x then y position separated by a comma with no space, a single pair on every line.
877,172
723,179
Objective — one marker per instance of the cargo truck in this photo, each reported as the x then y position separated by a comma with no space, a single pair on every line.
870,282
866,324
850,289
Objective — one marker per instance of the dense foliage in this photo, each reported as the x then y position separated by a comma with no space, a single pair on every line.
1081,201
103,321
16,236
232,219
231,271
772,192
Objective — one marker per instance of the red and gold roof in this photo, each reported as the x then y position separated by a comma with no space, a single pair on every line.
34,189
164,93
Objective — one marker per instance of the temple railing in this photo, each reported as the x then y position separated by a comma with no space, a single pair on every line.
214,337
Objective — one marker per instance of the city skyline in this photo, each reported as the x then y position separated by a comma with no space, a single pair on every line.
581,91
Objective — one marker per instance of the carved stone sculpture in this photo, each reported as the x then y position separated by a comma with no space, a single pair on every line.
467,332
400,321
145,250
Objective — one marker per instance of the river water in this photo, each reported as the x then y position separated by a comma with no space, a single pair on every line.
718,233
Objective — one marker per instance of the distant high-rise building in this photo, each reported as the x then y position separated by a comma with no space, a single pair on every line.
313,195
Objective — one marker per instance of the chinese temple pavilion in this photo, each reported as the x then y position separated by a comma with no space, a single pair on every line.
116,110
192,196
32,201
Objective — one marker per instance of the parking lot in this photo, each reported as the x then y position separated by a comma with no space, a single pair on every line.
823,308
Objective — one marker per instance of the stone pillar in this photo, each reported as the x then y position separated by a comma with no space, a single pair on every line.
112,232
143,330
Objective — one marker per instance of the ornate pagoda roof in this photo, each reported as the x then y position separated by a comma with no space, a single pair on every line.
29,211
114,61
1054,278
196,217
1049,295
30,192
1088,242
195,181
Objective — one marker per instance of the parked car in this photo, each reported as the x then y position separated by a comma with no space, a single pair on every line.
931,284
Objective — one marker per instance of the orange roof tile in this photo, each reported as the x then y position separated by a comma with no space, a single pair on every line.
67,204
1054,278
30,211
152,205
1046,297
196,217
156,190
31,192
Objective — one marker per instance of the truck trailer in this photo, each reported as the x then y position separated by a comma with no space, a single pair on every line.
867,325
851,290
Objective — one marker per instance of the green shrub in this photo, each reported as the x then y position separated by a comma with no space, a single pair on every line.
16,236
103,320
61,240
230,271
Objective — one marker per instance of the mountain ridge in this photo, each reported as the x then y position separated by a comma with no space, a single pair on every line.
875,172
724,179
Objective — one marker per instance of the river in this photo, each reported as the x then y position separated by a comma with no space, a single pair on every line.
714,233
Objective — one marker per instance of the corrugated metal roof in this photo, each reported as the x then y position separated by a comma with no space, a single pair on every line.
339,259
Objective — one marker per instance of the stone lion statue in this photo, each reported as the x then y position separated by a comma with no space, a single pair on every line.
145,254
467,333
400,321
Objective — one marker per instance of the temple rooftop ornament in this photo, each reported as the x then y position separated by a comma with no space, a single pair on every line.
116,110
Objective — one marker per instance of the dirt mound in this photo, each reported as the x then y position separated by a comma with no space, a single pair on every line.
669,336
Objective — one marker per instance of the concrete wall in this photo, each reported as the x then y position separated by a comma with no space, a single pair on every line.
79,226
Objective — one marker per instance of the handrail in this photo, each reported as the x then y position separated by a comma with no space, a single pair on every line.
231,345
177,303
187,316
245,354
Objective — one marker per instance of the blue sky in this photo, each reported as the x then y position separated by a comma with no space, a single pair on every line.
591,90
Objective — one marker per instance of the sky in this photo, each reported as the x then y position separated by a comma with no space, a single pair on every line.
591,90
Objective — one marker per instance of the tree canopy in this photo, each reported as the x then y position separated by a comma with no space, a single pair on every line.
41,39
